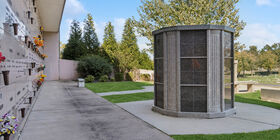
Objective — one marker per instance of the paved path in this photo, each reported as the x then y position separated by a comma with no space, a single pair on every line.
65,112
249,118
146,89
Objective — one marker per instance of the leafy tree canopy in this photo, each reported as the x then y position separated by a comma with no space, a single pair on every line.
155,14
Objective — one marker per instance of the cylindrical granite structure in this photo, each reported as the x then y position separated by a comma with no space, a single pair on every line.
194,71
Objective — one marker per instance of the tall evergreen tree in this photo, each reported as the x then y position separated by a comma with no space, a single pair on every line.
110,45
74,49
144,61
129,51
90,37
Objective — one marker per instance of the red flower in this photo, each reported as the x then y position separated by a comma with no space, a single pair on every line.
2,58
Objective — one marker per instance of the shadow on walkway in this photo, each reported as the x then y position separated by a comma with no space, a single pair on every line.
65,112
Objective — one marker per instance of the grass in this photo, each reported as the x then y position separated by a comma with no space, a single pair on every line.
270,79
130,97
255,98
116,86
263,135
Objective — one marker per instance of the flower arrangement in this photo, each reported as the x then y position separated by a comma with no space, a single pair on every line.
43,67
43,76
2,58
44,56
8,125
38,41
41,80
41,28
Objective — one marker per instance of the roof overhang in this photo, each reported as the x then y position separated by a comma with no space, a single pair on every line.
50,12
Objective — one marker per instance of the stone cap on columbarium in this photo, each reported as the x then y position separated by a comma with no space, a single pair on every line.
194,67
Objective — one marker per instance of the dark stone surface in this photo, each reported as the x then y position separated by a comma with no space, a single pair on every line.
159,95
159,70
193,71
158,45
193,43
194,99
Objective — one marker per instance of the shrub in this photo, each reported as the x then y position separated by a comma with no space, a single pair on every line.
119,76
104,78
89,79
129,76
113,79
145,77
94,65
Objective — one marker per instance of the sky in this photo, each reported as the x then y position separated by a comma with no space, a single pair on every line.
262,19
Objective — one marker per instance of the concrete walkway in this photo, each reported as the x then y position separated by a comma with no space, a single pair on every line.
249,118
65,112
146,89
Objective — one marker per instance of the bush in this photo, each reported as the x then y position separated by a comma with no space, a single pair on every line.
129,76
119,76
145,77
104,78
113,79
94,65
89,79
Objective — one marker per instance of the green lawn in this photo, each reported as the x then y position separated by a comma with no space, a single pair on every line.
263,135
270,79
255,98
130,97
116,86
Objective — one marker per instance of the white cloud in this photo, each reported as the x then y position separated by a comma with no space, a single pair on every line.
264,2
260,34
118,24
68,24
99,29
74,7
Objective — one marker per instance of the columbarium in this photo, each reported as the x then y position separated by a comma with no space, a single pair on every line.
194,71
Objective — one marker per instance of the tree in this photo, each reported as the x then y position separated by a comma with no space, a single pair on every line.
90,37
239,47
110,45
155,14
267,60
266,48
74,49
243,64
61,48
145,62
253,50
252,62
128,49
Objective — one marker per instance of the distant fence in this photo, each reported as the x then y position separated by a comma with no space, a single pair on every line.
68,69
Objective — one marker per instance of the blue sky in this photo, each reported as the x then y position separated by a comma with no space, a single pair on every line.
262,18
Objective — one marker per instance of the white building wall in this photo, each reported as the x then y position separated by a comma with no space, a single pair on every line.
52,51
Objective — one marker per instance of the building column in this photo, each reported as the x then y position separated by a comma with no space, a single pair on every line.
52,51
